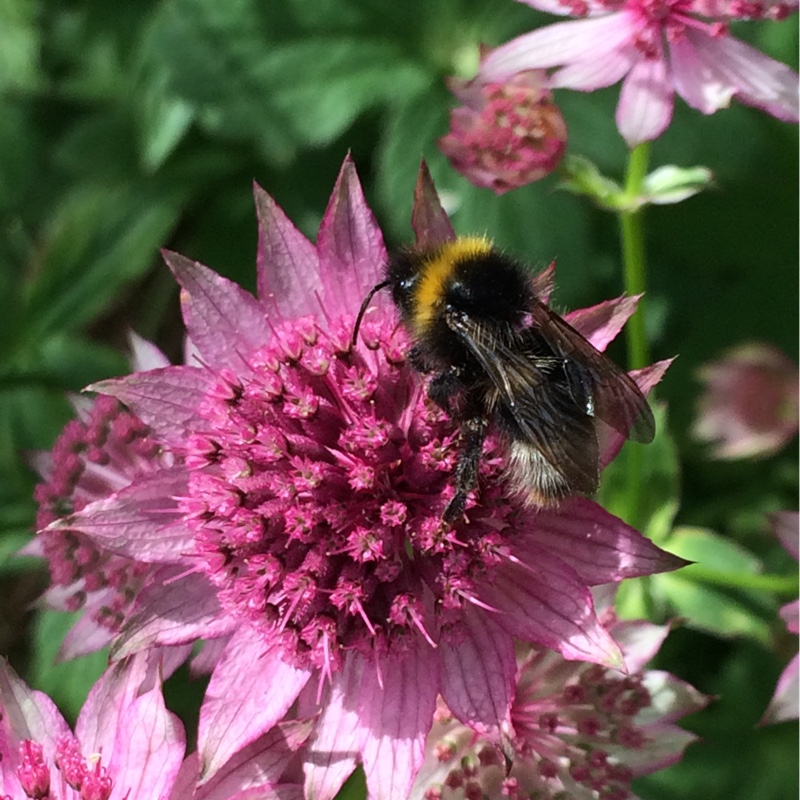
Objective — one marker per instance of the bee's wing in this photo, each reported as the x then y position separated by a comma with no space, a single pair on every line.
616,399
543,413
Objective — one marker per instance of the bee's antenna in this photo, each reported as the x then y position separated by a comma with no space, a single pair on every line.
363,310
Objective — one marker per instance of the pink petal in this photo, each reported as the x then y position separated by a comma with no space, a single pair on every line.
350,246
289,281
478,675
163,398
591,73
258,764
140,521
338,739
640,641
554,45
786,526
225,323
600,324
85,636
645,102
790,614
559,7
172,610
145,355
236,712
671,698
148,751
710,70
27,714
396,718
108,701
545,602
786,700
662,748
429,221
600,547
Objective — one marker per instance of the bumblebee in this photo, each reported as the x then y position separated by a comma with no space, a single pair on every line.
499,359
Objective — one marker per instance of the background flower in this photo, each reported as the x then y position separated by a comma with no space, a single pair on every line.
576,730
126,745
656,49
749,408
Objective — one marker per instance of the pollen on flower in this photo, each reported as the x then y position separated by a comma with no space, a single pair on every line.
315,498
93,457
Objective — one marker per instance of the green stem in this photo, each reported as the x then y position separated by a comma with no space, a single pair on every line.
634,269
633,255
786,585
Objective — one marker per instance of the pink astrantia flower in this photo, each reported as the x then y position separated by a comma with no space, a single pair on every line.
303,519
786,700
577,730
98,454
506,134
126,745
750,405
657,48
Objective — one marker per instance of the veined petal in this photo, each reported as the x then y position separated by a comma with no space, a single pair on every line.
225,323
429,221
554,45
27,714
600,324
591,73
558,7
289,281
600,547
350,245
140,521
478,675
148,750
729,66
108,701
257,765
172,609
396,713
645,102
85,636
671,698
165,399
236,712
546,602
338,739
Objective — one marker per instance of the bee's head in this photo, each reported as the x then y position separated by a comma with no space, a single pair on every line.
402,275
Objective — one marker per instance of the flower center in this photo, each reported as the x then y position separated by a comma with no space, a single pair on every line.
316,494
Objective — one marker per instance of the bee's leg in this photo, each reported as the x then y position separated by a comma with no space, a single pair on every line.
473,432
444,386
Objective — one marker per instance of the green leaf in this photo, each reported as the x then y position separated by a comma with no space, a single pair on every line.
19,45
581,176
719,609
100,239
670,184
68,683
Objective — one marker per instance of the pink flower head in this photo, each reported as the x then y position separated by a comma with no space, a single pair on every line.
577,730
786,700
98,454
305,527
126,745
657,48
750,405
506,134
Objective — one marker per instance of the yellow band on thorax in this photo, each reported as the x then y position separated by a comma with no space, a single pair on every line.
435,273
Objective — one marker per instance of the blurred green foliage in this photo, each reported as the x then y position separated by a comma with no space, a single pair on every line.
126,127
